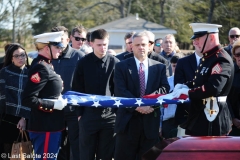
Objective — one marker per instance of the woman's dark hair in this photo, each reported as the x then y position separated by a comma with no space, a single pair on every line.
9,49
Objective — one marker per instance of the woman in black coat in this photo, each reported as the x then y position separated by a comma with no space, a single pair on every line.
234,95
13,77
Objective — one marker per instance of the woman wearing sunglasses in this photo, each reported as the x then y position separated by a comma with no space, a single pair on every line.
13,78
234,95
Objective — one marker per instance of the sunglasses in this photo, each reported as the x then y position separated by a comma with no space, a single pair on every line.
237,55
19,56
158,44
233,36
151,42
80,39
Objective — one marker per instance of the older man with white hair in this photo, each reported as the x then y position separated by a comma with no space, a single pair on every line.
169,46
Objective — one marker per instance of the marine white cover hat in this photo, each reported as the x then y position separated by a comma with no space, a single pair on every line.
200,29
53,38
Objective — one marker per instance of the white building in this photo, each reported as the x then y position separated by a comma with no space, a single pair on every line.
118,28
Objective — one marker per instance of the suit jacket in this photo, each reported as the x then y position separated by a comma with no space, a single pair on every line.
121,56
228,49
185,71
126,84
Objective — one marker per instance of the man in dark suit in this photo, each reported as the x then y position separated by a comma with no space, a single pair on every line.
185,71
138,128
128,42
233,35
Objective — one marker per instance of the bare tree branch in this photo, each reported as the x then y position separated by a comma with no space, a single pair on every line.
120,8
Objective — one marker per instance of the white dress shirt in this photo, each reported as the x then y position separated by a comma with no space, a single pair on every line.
197,58
145,68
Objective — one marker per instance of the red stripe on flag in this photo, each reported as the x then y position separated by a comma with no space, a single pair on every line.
154,96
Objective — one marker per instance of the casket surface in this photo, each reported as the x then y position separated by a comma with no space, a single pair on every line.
203,148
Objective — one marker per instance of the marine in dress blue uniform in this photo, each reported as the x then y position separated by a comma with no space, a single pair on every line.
43,94
209,113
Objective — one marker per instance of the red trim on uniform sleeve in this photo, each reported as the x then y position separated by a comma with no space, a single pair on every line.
203,88
40,107
193,90
35,78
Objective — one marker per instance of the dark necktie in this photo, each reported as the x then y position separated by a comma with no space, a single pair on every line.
142,80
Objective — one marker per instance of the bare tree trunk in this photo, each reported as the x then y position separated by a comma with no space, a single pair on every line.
121,8
210,15
14,21
129,7
162,18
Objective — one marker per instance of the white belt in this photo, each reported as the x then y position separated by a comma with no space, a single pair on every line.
222,99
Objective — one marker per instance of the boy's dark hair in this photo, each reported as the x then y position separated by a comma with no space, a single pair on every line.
80,29
99,34
128,35
60,28
174,59
88,36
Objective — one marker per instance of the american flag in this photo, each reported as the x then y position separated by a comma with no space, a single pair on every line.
90,100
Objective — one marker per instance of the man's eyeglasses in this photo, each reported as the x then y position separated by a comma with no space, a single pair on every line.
237,55
129,43
158,44
80,39
19,56
233,36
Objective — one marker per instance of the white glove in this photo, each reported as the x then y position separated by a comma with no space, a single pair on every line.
185,86
179,86
177,93
60,103
166,96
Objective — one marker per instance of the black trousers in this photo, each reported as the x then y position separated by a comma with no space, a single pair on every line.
100,143
73,136
71,119
132,144
169,128
8,133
